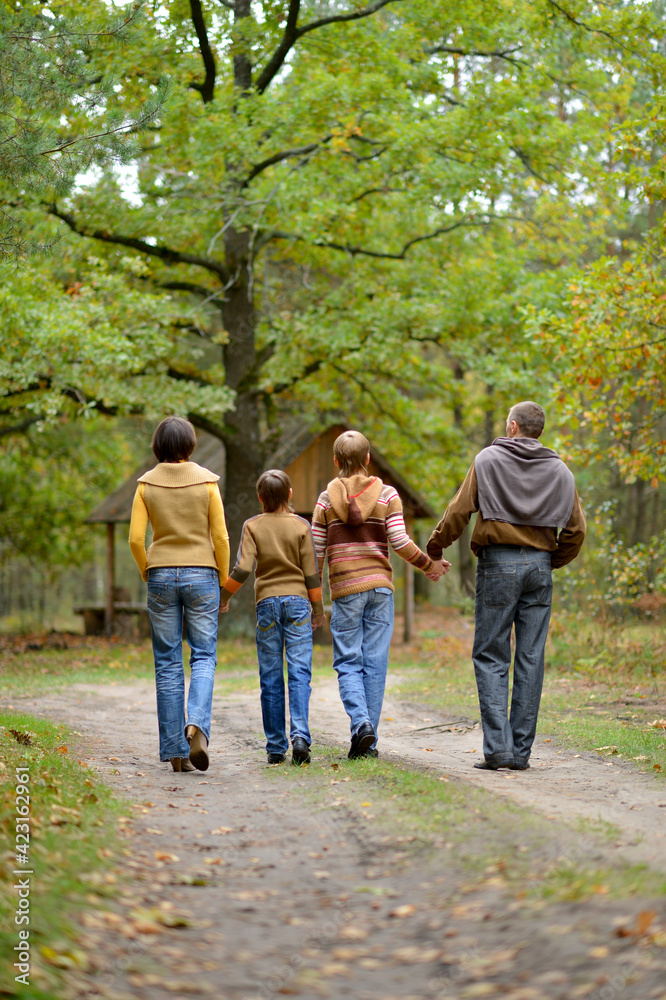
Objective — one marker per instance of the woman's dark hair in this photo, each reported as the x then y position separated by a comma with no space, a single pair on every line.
174,440
273,487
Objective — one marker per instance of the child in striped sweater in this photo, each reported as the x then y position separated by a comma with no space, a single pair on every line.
355,519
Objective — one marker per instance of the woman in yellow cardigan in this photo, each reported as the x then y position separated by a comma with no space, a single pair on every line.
184,567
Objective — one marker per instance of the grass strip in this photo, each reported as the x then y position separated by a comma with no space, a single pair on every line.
73,842
495,842
603,688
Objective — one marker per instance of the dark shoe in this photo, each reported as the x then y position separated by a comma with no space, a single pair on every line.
300,751
198,749
361,741
276,758
181,764
494,765
372,752
520,764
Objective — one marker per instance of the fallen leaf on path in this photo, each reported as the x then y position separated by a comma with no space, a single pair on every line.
479,990
643,922
348,954
221,830
157,833
334,969
600,952
321,874
412,955
64,957
351,932
165,856
215,861
405,910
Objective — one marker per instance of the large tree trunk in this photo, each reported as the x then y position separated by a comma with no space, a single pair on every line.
244,453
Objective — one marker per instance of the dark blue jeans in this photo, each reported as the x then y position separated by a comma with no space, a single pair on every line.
513,588
284,629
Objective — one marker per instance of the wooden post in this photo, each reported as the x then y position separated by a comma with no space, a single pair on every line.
408,583
110,577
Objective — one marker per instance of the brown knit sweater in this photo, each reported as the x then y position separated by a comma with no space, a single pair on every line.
353,523
278,546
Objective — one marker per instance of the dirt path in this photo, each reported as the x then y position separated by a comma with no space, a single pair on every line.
315,902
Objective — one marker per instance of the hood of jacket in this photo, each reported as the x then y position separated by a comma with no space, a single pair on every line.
355,498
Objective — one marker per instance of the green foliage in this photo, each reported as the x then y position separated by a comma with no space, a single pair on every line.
89,339
57,117
50,481
68,812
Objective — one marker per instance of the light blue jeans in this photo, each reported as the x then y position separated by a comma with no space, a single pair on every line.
362,626
174,592
514,587
284,628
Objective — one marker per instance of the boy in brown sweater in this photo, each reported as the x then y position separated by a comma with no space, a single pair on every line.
278,545
355,519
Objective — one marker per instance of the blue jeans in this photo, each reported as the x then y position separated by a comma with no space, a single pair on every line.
513,587
362,626
284,628
174,591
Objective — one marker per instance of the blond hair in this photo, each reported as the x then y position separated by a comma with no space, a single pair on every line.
351,449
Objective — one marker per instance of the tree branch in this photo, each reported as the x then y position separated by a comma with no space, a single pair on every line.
506,54
310,369
19,428
287,154
288,39
568,16
187,286
204,424
359,251
207,88
167,254
292,34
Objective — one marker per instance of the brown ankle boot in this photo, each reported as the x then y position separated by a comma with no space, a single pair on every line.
198,747
182,764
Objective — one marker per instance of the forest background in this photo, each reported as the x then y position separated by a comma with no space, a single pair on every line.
402,214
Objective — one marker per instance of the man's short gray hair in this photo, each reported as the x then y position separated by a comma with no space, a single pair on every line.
530,417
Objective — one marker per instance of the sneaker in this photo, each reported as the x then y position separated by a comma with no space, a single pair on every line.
300,751
361,741
276,758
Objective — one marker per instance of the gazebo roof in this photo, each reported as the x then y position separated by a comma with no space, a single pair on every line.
295,443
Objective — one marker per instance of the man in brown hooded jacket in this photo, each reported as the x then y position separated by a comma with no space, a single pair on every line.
355,519
529,522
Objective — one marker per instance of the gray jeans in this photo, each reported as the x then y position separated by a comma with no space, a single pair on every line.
513,587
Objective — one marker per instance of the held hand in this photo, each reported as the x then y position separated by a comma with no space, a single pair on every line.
224,608
318,621
439,568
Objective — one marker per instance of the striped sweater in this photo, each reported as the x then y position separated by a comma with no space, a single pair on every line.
353,523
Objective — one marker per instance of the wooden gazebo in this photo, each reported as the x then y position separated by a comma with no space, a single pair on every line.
306,457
